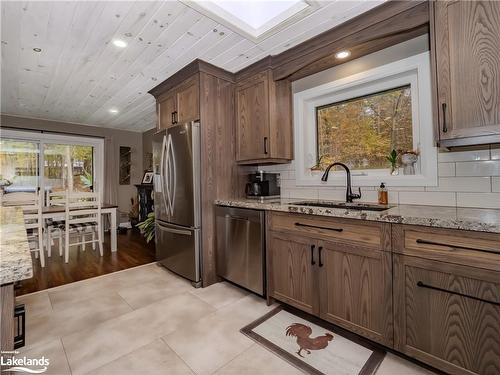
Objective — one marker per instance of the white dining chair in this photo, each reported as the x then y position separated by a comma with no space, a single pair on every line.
82,219
55,228
32,205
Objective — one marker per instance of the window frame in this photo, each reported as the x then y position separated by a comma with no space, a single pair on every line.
413,71
43,138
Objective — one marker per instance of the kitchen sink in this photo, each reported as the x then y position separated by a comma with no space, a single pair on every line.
342,205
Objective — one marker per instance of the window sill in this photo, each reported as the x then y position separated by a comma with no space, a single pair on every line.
314,179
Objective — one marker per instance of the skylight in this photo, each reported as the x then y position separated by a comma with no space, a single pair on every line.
253,18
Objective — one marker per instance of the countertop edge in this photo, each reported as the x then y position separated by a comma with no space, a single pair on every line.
392,215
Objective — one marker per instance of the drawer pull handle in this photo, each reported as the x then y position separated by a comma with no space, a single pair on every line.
320,249
312,255
426,242
445,127
422,285
318,227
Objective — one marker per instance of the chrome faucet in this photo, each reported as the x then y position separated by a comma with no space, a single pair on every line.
349,196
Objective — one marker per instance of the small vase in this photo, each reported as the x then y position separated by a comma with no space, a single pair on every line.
409,161
394,170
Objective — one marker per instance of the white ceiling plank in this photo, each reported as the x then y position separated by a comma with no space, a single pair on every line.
79,75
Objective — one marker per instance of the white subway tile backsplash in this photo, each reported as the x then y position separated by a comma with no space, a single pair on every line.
479,200
302,193
478,168
495,151
427,198
470,155
495,184
331,194
446,169
462,184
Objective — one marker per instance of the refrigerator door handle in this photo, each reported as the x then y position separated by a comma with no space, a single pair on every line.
162,172
174,179
173,230
168,175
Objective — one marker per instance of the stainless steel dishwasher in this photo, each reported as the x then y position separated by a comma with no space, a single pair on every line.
241,247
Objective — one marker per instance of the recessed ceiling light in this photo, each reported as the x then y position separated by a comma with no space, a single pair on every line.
113,111
342,54
120,43
37,49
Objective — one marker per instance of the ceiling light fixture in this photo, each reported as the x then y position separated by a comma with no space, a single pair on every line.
342,54
113,111
37,49
120,43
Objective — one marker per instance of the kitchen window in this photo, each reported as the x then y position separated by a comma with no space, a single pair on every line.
358,120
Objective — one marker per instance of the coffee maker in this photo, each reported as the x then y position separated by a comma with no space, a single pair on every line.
263,185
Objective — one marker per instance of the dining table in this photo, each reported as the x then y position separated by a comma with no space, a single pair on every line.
55,212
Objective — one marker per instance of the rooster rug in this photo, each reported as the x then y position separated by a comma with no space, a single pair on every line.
312,345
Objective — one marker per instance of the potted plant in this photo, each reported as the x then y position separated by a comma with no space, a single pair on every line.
147,227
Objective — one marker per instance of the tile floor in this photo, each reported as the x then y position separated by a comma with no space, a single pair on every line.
145,320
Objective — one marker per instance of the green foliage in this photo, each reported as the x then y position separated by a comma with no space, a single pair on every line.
147,227
86,179
363,131
393,158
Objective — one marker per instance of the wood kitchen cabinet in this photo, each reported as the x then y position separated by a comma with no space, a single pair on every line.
323,272
180,104
293,271
466,40
263,120
356,289
447,315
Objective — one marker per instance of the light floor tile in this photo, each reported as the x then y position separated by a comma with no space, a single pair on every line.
155,358
220,294
258,361
153,291
36,303
395,365
215,340
73,317
88,350
54,352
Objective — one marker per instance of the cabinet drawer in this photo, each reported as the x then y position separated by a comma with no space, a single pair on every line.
449,245
447,315
333,229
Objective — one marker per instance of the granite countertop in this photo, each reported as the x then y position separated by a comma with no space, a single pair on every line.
15,255
475,219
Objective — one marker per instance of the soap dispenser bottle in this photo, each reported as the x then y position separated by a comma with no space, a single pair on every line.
382,194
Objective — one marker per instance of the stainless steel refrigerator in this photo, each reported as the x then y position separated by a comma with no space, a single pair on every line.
176,162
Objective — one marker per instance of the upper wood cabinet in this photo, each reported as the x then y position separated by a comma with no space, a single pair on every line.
166,108
263,120
180,104
188,100
467,52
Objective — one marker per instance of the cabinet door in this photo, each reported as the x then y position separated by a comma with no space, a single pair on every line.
166,112
356,289
188,101
467,38
293,271
252,119
447,315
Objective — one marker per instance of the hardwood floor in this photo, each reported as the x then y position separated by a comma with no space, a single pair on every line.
132,251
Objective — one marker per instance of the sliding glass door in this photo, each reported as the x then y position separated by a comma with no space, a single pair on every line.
68,167
19,165
53,162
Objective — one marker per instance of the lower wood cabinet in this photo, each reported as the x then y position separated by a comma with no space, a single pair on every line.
293,271
349,285
447,315
356,289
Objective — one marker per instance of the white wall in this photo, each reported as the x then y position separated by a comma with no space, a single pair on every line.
466,178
